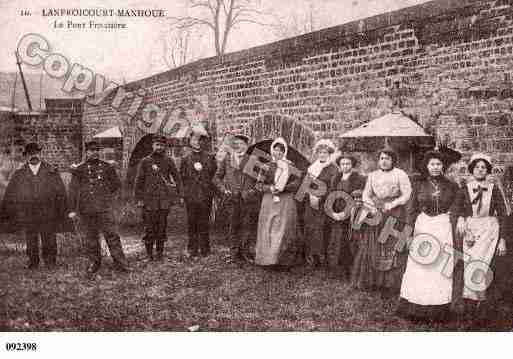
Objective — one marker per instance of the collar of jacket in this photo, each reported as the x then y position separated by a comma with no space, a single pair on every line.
93,161
43,166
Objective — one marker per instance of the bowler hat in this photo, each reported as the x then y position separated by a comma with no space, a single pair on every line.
30,148
92,145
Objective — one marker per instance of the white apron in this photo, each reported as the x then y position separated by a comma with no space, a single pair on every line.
428,283
483,230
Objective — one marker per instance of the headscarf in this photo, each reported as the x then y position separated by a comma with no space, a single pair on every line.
284,143
282,172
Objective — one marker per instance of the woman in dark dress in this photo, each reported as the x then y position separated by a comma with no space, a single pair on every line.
316,234
426,289
343,241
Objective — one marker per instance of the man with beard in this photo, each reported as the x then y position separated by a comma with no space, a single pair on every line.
91,193
157,188
197,172
243,200
35,199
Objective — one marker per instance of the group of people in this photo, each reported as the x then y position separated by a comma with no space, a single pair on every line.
37,202
378,231
386,232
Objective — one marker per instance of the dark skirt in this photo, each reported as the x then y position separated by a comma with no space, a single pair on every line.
376,265
341,249
425,313
316,236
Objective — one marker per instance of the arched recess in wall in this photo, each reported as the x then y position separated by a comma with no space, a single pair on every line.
298,136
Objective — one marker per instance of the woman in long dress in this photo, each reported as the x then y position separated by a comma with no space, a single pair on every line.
277,236
343,241
316,220
378,266
426,289
480,210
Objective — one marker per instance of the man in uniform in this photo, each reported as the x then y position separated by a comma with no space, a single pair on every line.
243,199
91,193
197,172
157,188
35,199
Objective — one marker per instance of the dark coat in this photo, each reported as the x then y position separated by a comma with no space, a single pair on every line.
36,202
231,177
198,186
355,182
92,188
150,184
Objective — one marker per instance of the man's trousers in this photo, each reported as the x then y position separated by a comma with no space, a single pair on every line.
243,227
102,222
155,223
198,222
48,243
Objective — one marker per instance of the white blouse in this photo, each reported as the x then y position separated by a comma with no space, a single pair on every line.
486,200
382,185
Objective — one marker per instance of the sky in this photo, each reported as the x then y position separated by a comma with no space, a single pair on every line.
140,50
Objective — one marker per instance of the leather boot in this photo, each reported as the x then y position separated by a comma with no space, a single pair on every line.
149,250
160,250
32,265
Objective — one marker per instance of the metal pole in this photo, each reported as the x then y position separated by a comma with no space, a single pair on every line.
18,62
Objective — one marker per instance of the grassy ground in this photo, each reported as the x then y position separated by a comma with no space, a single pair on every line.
177,294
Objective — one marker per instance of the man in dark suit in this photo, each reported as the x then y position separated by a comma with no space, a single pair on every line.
35,199
243,199
91,193
157,188
197,172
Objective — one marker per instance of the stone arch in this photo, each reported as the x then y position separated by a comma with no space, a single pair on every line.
297,135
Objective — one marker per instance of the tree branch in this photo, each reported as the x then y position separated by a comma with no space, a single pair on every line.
190,21
221,17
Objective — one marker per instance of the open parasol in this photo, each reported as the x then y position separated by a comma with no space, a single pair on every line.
395,129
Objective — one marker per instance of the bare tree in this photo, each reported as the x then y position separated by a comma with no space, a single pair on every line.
301,20
221,17
181,46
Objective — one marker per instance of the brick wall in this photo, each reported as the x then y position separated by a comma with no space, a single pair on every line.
58,133
452,60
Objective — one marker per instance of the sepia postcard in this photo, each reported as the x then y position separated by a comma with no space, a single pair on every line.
179,166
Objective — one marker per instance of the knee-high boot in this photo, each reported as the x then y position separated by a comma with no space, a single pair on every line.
149,250
160,250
